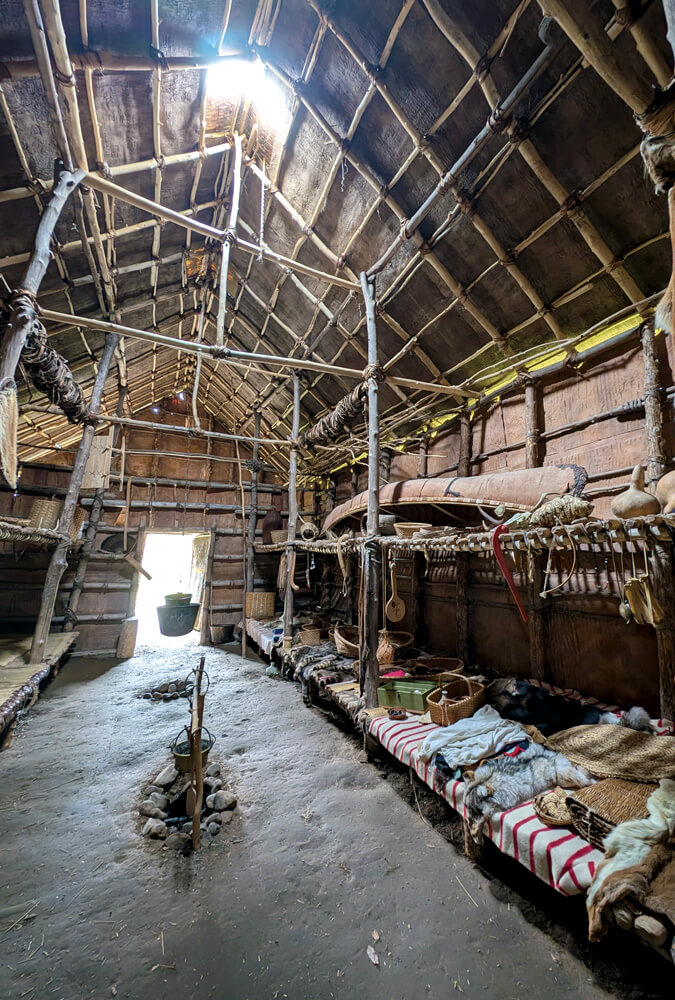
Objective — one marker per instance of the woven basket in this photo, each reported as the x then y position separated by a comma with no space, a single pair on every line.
278,537
260,604
346,638
551,807
391,644
310,636
406,529
79,518
598,808
432,665
469,697
45,513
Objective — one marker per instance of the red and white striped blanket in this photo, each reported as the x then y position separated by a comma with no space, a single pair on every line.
559,857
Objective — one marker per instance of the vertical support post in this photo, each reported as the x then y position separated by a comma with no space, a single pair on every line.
422,461
90,535
385,465
535,568
230,238
331,493
57,563
207,599
292,514
370,669
661,553
253,509
462,558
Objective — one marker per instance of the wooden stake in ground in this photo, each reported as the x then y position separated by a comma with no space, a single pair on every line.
197,780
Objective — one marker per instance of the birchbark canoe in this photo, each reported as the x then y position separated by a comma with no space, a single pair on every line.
447,501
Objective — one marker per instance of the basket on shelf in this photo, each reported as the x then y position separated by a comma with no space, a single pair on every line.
432,665
45,513
310,636
406,529
79,518
597,809
454,699
346,638
260,604
391,644
278,537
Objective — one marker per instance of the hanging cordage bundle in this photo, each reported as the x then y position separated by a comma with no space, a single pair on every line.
9,422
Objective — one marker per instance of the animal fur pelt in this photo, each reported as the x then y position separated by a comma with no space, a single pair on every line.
504,782
638,862
528,703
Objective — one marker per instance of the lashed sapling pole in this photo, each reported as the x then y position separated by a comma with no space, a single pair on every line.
535,567
660,553
292,515
230,238
253,508
370,669
462,559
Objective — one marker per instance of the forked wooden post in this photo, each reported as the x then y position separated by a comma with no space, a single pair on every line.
535,567
57,563
462,558
661,554
292,515
370,613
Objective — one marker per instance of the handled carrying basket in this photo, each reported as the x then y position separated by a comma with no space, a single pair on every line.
469,695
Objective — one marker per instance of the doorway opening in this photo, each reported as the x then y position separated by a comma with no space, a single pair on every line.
176,561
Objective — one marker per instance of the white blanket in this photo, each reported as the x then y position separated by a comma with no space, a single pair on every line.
470,740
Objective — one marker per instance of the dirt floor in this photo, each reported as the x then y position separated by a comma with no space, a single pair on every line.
324,850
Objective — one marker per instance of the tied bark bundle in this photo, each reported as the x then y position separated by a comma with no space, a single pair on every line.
346,411
51,375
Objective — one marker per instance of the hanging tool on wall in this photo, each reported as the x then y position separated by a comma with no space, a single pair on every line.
506,572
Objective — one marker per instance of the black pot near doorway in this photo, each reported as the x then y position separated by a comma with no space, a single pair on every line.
177,620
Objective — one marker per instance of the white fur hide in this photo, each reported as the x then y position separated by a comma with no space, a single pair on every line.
630,842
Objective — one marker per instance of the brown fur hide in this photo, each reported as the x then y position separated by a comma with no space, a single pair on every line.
651,883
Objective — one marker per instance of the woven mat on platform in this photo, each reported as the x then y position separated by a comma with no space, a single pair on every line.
617,752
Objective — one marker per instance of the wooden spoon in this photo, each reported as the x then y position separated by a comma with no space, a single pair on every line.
395,607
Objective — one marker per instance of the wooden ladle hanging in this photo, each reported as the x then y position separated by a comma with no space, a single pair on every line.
395,607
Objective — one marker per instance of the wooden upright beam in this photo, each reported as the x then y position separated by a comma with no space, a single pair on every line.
661,554
292,515
253,509
370,612
535,567
463,558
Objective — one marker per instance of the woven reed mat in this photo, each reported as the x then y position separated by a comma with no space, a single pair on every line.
617,752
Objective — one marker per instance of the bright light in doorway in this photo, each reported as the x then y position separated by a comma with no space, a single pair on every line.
236,79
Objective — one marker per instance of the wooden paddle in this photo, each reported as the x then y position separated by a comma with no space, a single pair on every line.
395,607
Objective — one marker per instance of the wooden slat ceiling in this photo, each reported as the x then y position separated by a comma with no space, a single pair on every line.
381,105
